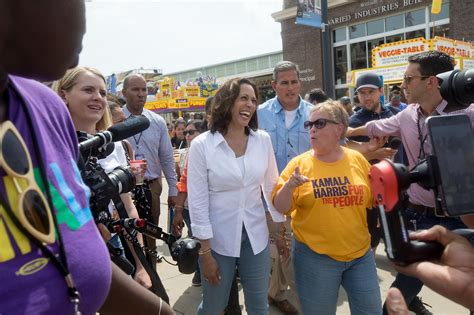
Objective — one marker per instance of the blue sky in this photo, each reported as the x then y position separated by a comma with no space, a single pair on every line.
175,35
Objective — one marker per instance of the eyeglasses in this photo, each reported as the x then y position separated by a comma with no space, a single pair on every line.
407,78
318,123
32,210
190,132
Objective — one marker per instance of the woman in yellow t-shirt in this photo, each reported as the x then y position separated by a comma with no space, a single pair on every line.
326,191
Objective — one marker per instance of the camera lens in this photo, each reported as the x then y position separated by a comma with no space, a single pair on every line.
457,87
123,179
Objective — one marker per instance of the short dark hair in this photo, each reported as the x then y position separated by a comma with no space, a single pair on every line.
433,62
201,125
317,95
221,113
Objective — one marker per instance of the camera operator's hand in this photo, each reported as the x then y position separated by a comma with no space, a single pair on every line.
376,143
453,275
178,223
380,154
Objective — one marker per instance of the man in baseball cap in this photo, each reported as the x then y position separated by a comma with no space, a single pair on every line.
369,89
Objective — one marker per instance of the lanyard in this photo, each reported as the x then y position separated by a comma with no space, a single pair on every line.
59,262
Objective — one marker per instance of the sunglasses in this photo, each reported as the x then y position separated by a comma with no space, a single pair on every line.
190,132
318,123
32,209
407,78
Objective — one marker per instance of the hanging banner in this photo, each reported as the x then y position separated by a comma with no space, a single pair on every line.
308,14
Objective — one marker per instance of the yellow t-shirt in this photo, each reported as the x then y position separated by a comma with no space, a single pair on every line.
329,212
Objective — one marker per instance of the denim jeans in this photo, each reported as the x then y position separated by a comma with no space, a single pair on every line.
409,286
254,271
318,278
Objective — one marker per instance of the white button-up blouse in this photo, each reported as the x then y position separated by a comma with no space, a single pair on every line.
222,199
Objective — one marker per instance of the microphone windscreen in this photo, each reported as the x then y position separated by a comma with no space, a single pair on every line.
129,127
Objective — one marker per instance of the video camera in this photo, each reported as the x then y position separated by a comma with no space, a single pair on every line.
106,187
184,251
448,171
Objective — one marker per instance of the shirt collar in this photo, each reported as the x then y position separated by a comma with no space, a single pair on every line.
439,110
218,138
277,107
128,114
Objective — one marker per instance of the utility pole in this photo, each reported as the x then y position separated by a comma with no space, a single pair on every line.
328,82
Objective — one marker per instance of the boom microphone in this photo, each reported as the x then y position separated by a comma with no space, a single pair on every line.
118,132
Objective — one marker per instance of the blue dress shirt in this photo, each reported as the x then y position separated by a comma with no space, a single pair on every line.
287,142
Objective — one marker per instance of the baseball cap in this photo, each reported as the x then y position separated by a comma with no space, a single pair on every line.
370,80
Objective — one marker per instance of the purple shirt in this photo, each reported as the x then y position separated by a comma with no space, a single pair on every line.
404,125
29,283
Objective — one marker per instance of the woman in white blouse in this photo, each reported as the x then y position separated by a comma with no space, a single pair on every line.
229,166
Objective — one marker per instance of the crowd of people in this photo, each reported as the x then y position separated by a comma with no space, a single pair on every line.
277,194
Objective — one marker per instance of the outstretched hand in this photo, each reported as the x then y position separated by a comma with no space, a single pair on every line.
296,179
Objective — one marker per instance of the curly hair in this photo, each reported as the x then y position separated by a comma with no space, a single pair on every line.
221,113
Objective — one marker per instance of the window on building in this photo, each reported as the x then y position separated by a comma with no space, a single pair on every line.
229,69
442,30
263,63
394,38
394,22
220,71
415,34
358,56
275,59
375,27
371,44
339,35
415,17
241,68
252,65
341,92
340,64
357,30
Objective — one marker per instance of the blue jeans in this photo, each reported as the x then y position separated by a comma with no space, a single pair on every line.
409,286
318,278
254,273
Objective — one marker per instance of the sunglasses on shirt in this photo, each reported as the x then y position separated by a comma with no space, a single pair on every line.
318,123
190,132
32,209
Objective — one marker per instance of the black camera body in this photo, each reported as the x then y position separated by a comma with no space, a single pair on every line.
104,187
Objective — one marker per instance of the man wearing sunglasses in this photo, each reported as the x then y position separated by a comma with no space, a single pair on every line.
52,258
421,88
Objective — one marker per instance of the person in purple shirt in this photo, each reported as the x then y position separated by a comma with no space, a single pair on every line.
421,88
57,264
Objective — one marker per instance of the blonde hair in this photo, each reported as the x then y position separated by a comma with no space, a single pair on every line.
335,111
67,82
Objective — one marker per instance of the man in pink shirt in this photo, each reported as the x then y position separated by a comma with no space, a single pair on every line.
421,88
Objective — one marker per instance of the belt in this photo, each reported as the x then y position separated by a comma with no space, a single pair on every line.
149,181
425,210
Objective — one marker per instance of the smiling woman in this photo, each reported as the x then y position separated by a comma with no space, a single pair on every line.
225,204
